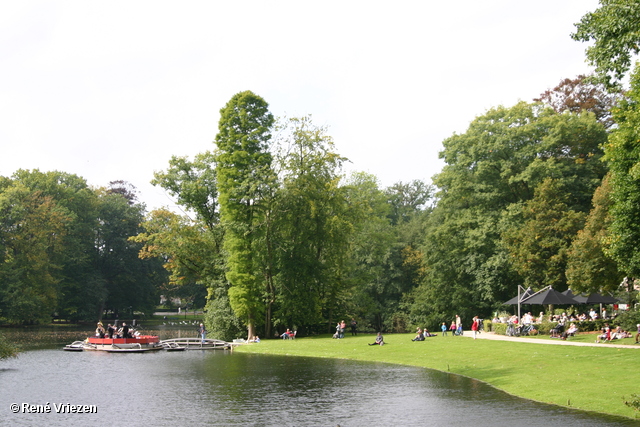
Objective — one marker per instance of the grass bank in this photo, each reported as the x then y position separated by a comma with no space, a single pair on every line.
588,378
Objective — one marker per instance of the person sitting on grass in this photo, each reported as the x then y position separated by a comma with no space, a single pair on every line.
419,336
570,332
606,333
379,340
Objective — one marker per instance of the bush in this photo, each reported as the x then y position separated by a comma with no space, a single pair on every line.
628,320
545,327
499,328
221,322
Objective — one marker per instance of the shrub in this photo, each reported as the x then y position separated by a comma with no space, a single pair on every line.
499,328
628,320
545,327
634,402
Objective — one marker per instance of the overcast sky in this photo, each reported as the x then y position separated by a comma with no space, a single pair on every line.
111,90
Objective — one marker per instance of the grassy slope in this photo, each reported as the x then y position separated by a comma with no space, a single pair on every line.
588,378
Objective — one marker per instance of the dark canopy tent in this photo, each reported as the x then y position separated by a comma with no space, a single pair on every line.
595,298
526,294
549,296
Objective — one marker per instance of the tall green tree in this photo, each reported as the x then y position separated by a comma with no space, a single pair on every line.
589,269
79,284
623,157
32,230
539,243
490,169
130,283
245,185
308,222
614,29
376,252
194,184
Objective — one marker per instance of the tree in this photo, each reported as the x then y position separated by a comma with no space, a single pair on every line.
615,30
32,229
589,269
79,284
407,199
622,153
491,170
538,244
581,94
308,222
245,181
194,183
130,283
191,253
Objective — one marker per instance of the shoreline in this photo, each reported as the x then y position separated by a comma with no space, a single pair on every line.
511,364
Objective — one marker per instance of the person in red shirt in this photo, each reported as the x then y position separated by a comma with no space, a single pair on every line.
475,326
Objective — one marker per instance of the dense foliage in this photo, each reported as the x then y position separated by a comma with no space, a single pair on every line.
64,251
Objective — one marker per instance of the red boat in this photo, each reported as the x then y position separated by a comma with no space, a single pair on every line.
138,344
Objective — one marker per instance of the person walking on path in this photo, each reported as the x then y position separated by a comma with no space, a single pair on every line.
475,326
458,325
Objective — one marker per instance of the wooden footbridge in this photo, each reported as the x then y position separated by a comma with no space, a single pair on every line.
197,344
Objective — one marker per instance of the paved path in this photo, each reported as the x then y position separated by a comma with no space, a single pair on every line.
492,336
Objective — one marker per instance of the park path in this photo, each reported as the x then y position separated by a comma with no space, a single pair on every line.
493,336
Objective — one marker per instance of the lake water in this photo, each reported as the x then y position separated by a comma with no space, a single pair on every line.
198,387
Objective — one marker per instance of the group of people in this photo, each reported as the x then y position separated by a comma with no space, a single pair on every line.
288,335
456,326
421,335
340,328
606,334
112,331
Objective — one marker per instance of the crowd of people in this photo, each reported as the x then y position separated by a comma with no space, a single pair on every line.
113,331
560,329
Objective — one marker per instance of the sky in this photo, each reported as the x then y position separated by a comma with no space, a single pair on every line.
112,90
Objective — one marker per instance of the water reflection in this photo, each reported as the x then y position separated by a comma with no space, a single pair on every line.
221,388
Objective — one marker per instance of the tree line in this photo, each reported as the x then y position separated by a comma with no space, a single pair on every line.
65,250
541,193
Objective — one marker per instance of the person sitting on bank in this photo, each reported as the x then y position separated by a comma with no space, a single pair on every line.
419,336
379,340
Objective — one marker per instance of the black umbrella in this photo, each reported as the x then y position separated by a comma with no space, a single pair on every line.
595,298
523,296
549,296
569,293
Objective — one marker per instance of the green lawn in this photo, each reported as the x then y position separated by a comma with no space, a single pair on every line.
589,378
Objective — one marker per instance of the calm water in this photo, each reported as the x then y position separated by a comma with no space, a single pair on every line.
223,388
